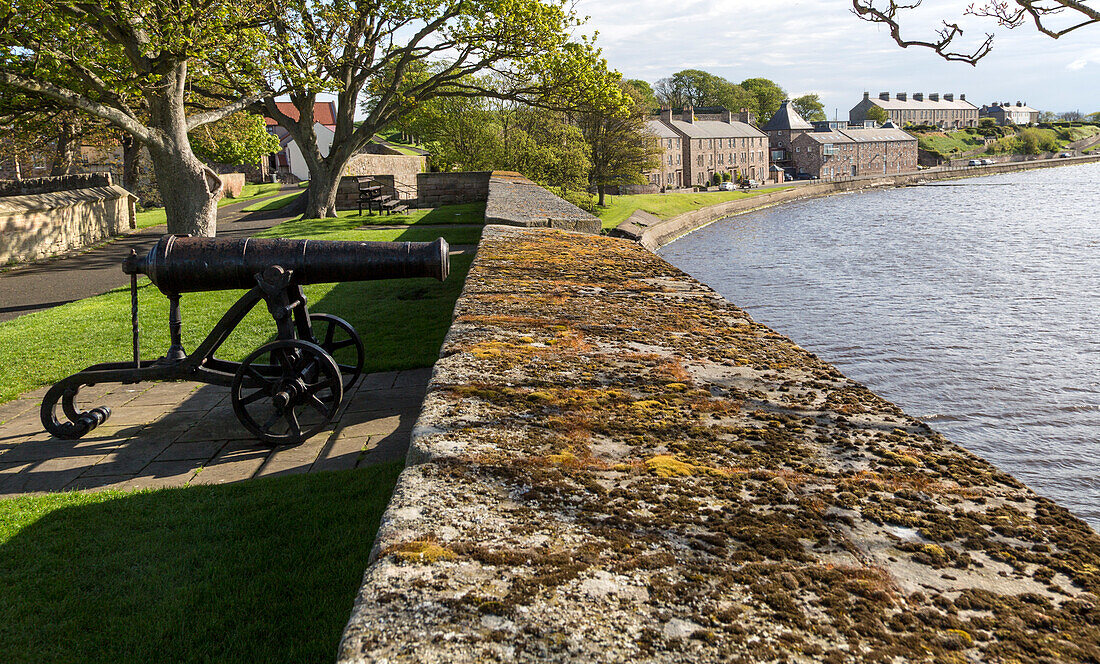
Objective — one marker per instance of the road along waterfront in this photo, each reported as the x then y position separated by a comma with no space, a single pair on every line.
973,304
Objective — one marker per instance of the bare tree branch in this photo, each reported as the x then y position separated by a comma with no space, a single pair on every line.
867,11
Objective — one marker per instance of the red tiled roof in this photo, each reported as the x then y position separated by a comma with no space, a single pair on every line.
323,112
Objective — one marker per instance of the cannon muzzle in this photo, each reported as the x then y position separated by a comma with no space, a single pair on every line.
183,264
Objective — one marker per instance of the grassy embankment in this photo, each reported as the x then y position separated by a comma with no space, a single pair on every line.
667,206
1025,140
264,570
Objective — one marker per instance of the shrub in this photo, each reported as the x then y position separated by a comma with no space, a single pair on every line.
726,176
581,199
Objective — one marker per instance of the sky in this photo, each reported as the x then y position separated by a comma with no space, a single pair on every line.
820,46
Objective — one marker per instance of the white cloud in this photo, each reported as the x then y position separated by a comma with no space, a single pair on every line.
819,45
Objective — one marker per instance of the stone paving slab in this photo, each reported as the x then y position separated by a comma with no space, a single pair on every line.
175,434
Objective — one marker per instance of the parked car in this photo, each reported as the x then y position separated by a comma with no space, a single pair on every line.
748,184
987,162
805,176
974,162
726,186
1064,155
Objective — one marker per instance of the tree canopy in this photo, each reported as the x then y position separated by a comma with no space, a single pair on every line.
809,107
237,140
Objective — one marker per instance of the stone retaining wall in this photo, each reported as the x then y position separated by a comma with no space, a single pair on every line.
41,225
516,201
437,189
403,169
48,185
347,192
614,464
655,234
232,183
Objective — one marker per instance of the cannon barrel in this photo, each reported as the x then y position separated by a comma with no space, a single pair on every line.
182,264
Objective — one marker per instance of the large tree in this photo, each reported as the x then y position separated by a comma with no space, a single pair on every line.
809,107
694,87
619,146
390,56
765,97
1053,18
140,65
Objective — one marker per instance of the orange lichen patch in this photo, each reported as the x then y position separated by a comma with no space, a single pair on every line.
421,551
666,465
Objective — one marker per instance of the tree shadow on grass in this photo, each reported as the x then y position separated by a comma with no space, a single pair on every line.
259,571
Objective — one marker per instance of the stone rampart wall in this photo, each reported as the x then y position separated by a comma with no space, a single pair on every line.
614,464
40,225
437,189
404,169
347,192
516,201
655,234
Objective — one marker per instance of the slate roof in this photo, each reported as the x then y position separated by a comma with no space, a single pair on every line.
660,129
859,135
712,129
894,104
786,118
1023,108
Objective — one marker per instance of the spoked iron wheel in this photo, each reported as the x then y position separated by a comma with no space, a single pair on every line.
286,391
334,334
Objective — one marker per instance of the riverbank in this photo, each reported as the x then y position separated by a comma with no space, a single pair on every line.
615,464
653,233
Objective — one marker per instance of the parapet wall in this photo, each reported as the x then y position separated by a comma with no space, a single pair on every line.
232,183
51,184
516,201
614,464
437,189
40,225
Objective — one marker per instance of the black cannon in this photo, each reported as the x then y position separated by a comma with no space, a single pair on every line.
286,390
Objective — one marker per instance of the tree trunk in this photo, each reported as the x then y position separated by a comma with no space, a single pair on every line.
66,149
189,189
600,189
131,149
324,179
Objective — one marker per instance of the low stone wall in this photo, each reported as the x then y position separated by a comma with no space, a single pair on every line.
404,170
655,234
614,464
48,185
516,201
40,225
232,184
437,189
347,192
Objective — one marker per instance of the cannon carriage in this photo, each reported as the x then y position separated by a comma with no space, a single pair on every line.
284,391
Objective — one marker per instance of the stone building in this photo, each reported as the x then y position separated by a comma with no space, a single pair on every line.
834,150
943,111
670,174
721,145
783,127
1006,113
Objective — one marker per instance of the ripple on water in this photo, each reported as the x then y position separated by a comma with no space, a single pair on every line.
974,305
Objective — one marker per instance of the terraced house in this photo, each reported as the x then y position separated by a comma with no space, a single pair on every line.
709,146
942,111
836,149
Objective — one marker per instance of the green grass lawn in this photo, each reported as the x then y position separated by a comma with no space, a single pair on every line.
667,206
259,571
950,143
157,216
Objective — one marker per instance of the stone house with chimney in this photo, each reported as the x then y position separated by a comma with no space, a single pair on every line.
670,173
944,111
721,145
1006,113
834,149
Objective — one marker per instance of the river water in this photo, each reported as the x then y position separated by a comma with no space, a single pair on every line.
973,304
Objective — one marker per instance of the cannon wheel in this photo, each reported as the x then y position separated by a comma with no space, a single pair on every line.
286,391
333,333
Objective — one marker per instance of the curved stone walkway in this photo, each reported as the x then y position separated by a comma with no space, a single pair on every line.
176,434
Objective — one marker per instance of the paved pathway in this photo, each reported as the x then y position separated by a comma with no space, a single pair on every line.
52,282
175,434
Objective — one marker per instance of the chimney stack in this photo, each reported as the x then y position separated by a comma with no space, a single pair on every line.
726,116
933,96
747,116
918,96
949,96
901,96
884,96
962,97
689,114
866,95
666,114
1019,104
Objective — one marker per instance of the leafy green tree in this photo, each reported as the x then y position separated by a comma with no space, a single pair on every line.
137,64
643,92
694,87
810,107
878,114
391,56
239,139
619,147
765,97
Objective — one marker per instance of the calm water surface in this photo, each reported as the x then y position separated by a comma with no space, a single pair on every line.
972,304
